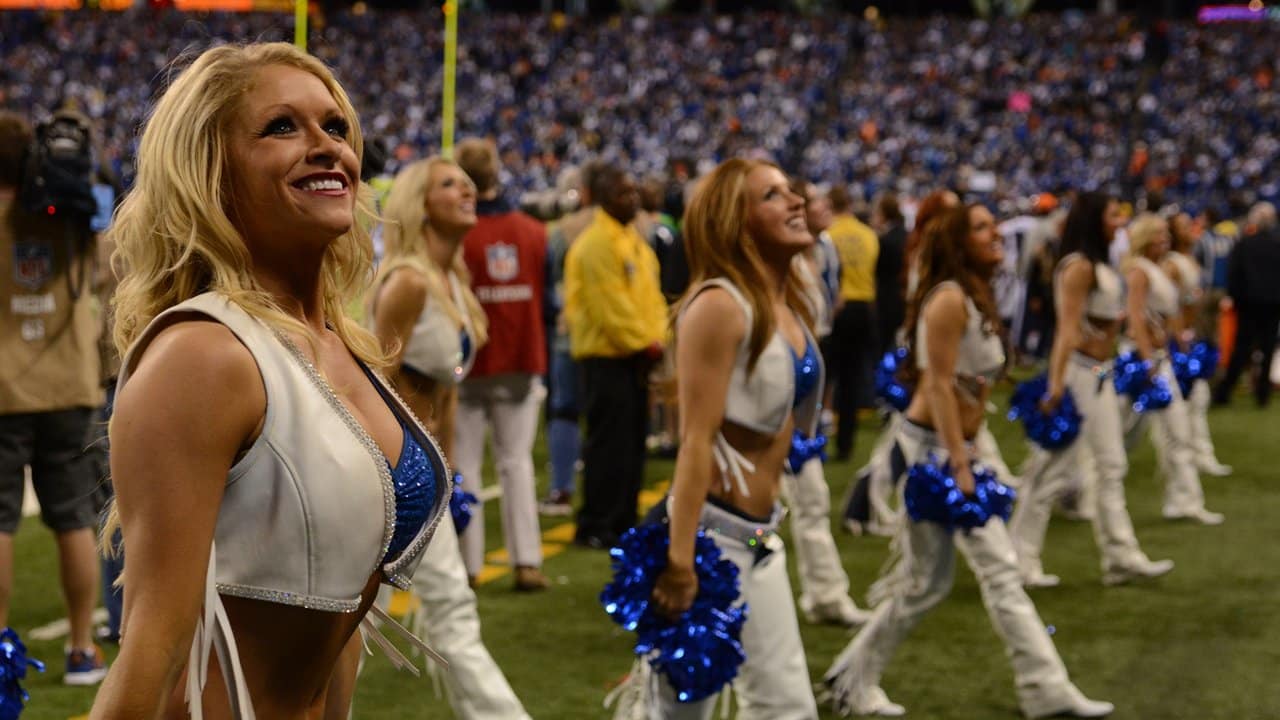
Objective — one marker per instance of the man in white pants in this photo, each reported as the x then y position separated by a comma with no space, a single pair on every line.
506,255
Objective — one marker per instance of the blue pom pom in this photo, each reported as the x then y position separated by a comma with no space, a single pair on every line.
888,388
931,495
1182,370
1132,378
1051,432
1203,359
804,449
13,668
699,654
1199,362
461,504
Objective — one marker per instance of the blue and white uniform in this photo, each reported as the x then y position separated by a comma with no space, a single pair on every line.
1100,445
773,683
313,509
924,572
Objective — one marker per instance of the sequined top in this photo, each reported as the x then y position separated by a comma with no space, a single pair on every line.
807,372
981,352
778,386
1162,294
310,510
437,347
1106,298
762,399
414,478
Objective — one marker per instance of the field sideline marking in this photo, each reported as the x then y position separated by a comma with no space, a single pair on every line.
554,541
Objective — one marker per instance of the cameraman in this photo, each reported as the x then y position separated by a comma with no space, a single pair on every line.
50,323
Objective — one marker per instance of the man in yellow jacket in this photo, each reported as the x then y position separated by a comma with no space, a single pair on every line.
617,321
853,334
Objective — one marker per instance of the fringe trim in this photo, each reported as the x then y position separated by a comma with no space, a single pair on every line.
895,573
880,475
632,695
417,622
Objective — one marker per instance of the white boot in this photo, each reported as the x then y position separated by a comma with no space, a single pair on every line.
1200,515
1068,702
866,701
1210,466
1141,569
841,611
1039,580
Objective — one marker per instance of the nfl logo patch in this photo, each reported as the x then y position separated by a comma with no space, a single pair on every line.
32,264
502,261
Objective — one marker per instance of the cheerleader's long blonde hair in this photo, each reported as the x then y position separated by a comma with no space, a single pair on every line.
1143,231
404,216
173,235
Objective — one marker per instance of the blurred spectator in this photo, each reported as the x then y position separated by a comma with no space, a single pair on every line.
1253,281
1214,248
617,328
564,440
1039,258
50,323
890,302
662,232
1006,107
659,229
823,263
505,253
853,333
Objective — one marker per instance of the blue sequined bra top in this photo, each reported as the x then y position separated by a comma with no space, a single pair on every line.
807,373
414,478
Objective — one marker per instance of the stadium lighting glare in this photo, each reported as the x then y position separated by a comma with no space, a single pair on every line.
1255,11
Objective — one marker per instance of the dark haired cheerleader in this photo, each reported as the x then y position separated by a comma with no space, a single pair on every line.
955,344
1090,304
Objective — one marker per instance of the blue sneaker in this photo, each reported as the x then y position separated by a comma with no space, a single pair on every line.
85,667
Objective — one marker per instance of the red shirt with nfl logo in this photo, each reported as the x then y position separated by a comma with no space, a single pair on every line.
506,253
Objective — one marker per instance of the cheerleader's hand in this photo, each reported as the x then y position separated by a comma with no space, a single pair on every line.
675,590
964,479
1050,402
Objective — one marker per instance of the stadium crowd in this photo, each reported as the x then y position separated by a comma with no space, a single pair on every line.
904,104
927,163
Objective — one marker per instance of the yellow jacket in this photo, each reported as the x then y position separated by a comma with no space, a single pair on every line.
613,303
858,248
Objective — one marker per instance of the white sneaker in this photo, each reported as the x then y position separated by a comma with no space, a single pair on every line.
1211,466
1070,703
1039,580
1202,516
1139,570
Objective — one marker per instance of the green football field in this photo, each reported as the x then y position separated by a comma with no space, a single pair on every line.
1203,643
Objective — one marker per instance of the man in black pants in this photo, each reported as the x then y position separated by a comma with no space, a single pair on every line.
617,324
891,305
1253,282
853,334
